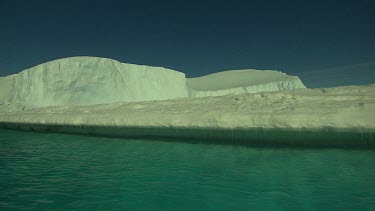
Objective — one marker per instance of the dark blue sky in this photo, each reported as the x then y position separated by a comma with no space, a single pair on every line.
195,37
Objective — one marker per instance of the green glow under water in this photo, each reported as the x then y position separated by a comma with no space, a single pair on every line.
56,171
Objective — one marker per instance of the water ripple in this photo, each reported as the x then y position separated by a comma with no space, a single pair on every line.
54,171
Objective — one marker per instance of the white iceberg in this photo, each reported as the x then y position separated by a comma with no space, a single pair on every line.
68,102
242,81
92,80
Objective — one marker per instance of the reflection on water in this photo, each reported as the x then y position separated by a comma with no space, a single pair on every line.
51,171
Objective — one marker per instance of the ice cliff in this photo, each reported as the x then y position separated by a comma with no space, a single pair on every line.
92,80
97,96
242,81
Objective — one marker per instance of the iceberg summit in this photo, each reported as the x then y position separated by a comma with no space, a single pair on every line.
98,96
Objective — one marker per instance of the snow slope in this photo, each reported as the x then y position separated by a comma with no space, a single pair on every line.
242,81
91,80
334,117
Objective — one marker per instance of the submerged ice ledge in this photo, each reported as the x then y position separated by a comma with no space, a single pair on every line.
303,137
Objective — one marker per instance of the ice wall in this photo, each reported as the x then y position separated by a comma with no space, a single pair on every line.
242,81
91,80
5,87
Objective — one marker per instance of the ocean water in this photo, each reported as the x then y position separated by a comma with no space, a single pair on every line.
67,172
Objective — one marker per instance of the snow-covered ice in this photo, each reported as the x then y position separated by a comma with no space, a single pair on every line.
92,80
342,116
242,81
156,102
341,107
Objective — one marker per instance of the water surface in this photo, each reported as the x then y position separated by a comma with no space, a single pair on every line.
56,171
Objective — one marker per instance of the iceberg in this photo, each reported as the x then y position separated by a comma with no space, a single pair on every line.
93,80
103,97
242,81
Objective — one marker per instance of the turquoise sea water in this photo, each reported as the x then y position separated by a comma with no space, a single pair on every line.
67,172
